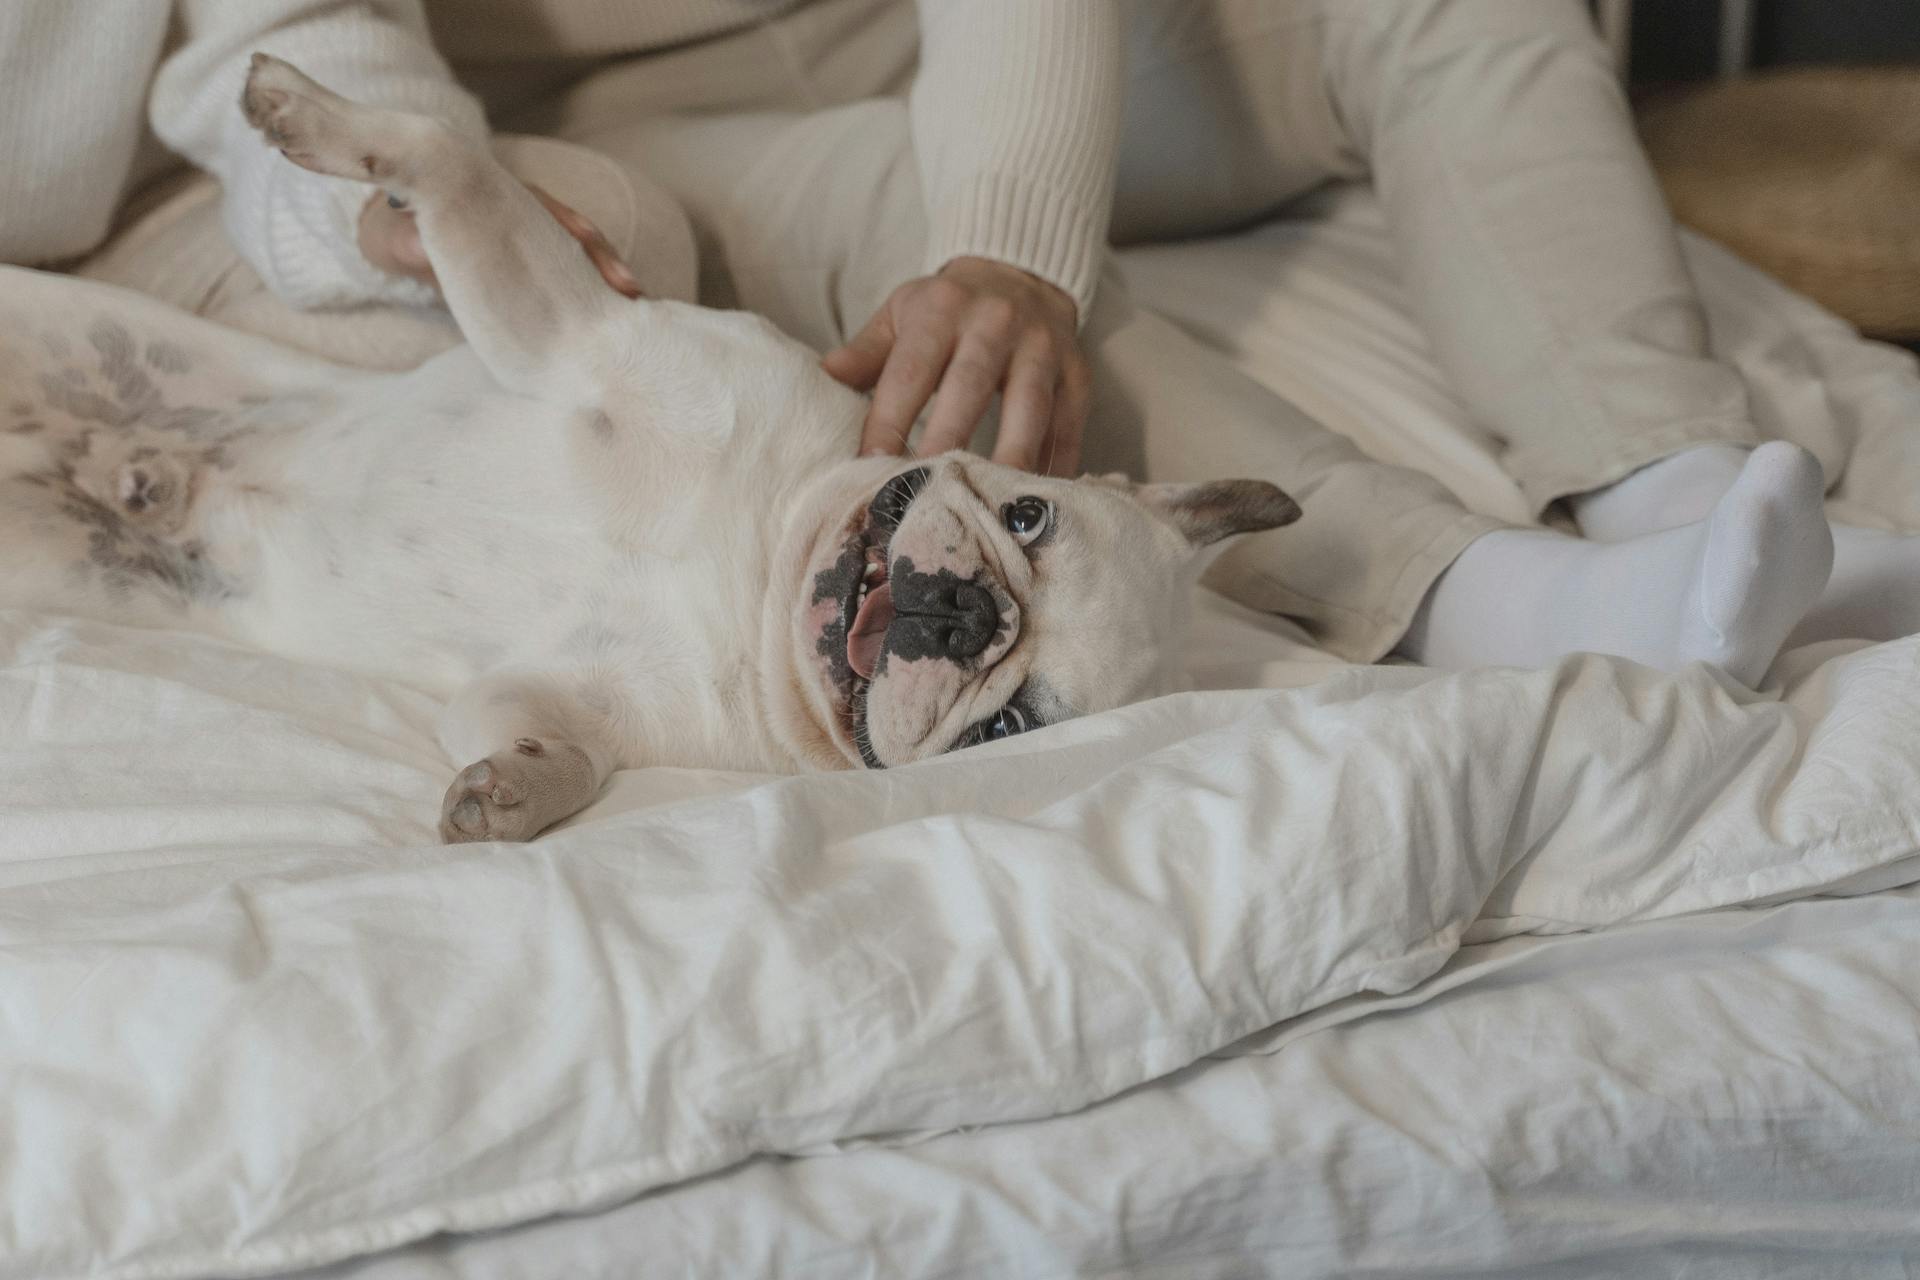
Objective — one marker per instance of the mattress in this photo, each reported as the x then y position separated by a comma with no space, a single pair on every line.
1312,970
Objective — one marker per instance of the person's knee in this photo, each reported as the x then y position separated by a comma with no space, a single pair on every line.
1417,25
1390,60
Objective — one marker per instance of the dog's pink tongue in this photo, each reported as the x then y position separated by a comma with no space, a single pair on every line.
869,630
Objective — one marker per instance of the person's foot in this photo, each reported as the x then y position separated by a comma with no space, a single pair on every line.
1725,589
1676,490
1873,594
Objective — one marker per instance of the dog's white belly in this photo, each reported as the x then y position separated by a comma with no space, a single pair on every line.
435,530
426,527
420,530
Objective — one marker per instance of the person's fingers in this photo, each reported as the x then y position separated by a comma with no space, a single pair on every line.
914,367
1026,407
858,363
1072,402
600,251
972,378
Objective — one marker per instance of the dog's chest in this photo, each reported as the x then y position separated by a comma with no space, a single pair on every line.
435,536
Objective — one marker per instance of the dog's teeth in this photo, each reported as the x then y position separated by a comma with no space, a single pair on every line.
873,571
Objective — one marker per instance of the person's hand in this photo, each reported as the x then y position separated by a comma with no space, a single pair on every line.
955,339
390,240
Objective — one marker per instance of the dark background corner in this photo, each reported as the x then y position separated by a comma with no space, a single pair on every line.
1678,39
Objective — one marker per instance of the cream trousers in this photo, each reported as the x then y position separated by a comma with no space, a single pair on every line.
1531,238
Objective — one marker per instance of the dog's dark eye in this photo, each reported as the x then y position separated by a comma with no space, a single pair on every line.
1027,519
1005,723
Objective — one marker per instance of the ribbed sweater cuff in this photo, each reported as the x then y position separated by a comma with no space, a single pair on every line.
1024,223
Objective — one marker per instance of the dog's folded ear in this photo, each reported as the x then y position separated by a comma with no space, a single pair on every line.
1218,509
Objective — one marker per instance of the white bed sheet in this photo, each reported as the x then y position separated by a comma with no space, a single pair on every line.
250,1023
1726,1095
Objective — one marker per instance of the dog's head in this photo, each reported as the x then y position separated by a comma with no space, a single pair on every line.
964,601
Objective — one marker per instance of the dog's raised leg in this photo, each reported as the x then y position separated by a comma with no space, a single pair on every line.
544,760
523,292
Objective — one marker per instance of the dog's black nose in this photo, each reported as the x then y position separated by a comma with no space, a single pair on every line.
974,621
940,615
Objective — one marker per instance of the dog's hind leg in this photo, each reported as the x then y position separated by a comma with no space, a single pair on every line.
522,290
544,761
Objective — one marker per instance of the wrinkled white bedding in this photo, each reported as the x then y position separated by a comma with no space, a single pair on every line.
253,1021
240,1046
1722,1095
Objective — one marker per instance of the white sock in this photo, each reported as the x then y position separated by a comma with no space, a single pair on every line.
1874,593
1663,495
1725,589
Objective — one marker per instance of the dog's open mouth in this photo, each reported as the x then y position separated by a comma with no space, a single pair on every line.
858,636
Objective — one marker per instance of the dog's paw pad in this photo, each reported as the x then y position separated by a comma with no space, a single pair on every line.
469,818
518,792
268,99
308,123
483,779
487,802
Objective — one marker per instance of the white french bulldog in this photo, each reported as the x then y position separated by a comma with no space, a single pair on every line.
612,533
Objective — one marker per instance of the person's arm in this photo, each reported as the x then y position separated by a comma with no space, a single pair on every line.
301,231
1015,118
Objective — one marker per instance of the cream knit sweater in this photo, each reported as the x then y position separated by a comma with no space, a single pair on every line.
1014,114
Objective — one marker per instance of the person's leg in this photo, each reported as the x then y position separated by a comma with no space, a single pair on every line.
1872,594
1531,234
1359,568
1227,116
1541,256
1814,380
1727,588
1372,538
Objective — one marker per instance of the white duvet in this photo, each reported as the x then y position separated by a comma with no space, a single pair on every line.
253,1020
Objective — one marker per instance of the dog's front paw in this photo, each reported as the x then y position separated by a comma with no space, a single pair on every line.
277,101
313,127
517,794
